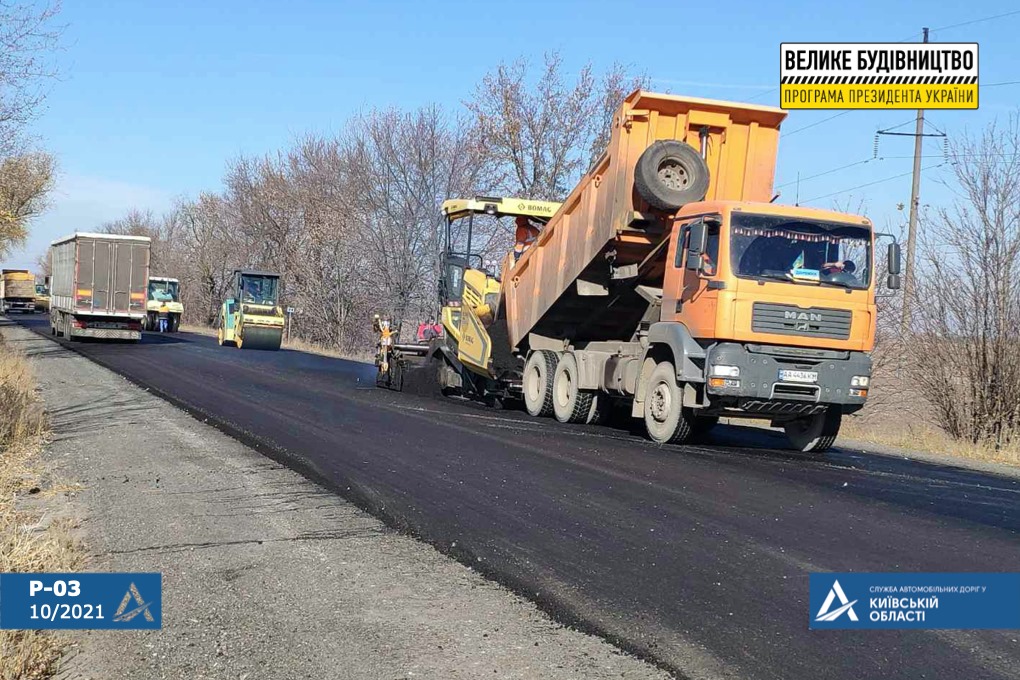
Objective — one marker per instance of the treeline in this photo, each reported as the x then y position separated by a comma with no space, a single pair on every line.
351,221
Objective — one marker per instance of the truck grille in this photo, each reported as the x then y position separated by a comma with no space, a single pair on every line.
816,322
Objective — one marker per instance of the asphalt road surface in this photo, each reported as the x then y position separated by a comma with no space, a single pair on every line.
696,557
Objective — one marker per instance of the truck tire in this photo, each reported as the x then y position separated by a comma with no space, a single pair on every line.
538,382
666,419
670,174
570,403
815,433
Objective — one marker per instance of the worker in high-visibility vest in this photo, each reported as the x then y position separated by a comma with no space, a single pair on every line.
526,235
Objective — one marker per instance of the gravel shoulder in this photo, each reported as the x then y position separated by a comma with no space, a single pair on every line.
267,575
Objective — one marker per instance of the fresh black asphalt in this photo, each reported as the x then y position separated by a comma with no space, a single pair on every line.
695,557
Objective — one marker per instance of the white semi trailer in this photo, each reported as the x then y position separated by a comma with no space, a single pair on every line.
99,285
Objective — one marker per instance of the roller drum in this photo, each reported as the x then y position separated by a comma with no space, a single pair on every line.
260,337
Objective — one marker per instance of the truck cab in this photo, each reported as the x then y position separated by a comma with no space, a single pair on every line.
163,299
768,311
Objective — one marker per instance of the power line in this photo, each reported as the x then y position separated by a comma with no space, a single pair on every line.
977,21
1011,82
759,96
965,23
827,172
868,184
824,120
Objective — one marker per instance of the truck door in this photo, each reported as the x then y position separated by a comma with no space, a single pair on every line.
102,275
121,277
139,283
694,296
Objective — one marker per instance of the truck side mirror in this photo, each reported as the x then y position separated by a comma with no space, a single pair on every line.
892,282
894,259
696,245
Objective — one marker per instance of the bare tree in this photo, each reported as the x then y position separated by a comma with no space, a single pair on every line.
25,181
543,135
27,37
966,339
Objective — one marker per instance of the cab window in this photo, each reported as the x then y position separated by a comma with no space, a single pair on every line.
711,255
709,258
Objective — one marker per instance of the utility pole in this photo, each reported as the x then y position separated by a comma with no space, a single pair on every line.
915,199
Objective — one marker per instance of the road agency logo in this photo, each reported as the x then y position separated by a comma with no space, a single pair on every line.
827,613
123,614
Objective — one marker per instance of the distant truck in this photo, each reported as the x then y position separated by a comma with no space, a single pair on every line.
42,296
98,286
164,299
17,290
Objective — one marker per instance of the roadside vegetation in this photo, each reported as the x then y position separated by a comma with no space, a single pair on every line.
29,540
950,382
350,220
27,39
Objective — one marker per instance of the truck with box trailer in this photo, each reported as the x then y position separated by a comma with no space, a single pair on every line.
670,282
17,290
98,286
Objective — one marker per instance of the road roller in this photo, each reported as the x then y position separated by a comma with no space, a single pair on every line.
252,318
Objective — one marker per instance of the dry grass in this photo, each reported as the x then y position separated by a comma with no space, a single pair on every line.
28,541
917,435
899,415
295,344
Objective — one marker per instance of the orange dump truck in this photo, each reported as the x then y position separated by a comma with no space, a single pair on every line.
670,281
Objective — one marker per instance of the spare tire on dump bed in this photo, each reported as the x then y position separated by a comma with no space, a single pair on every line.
670,174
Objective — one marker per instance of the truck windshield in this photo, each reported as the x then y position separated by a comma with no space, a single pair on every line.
164,291
800,251
41,289
259,290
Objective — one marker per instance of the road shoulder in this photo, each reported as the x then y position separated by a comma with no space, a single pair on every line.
267,575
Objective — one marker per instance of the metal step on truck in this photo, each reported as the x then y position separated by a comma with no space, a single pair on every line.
671,286
98,286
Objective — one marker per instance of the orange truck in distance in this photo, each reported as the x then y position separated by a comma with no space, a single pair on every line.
670,283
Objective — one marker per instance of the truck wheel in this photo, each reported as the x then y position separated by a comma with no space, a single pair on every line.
670,174
815,433
666,419
538,383
571,404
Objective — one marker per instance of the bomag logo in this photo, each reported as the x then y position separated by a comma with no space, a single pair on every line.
535,208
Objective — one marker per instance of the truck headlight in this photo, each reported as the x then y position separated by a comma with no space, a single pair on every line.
724,371
859,381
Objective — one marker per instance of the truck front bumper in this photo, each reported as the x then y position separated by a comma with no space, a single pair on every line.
774,379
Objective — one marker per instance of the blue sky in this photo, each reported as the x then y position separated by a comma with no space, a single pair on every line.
155,97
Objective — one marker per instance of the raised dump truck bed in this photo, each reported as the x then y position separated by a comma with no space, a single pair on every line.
560,287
